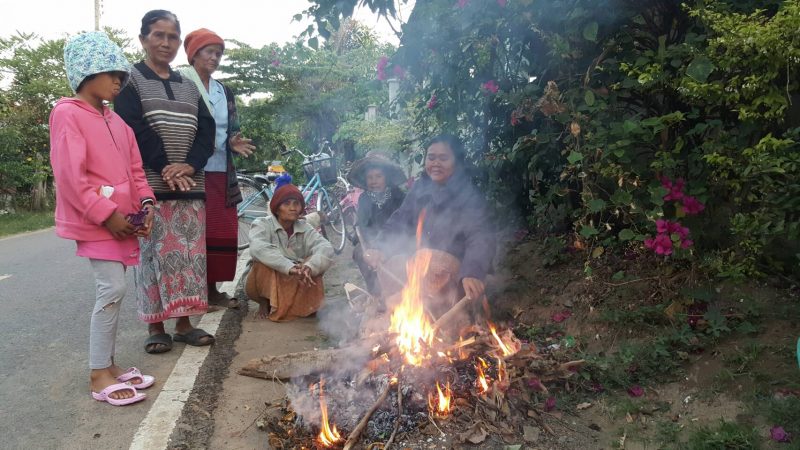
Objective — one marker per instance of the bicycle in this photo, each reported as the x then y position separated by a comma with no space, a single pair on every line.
256,194
320,170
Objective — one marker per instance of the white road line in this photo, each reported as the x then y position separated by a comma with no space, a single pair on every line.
3,277
157,426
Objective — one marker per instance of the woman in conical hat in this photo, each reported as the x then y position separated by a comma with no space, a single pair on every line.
380,177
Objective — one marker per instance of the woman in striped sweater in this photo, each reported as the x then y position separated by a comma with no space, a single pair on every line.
175,133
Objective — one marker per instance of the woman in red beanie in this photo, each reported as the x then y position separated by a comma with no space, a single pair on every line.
204,50
289,259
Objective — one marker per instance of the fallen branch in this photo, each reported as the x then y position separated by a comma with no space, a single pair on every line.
355,435
457,309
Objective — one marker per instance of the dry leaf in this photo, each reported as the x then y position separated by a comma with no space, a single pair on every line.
582,406
475,434
628,418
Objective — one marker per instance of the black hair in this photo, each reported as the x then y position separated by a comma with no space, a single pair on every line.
455,145
154,16
88,78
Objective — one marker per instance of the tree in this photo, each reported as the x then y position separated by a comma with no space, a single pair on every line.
306,93
589,110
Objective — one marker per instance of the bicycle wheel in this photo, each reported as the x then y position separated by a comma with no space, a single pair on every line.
350,218
255,204
332,223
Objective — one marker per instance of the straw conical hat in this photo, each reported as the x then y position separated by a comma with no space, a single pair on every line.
393,172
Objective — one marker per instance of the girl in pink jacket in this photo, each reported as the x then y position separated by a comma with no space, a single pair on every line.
103,201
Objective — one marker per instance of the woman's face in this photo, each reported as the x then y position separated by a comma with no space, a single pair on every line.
207,59
289,211
376,180
162,43
440,162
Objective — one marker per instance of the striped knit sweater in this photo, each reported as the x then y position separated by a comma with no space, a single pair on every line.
172,125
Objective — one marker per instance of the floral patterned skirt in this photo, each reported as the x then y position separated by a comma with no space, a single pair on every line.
171,277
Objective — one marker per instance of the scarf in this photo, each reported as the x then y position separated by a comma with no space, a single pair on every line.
191,74
380,198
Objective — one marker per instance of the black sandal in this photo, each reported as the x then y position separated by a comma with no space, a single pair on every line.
155,340
194,338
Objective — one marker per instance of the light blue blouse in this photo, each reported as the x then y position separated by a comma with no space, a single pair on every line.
218,162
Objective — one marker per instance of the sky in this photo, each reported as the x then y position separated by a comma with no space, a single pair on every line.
255,22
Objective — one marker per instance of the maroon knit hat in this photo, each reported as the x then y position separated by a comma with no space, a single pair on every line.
284,193
198,39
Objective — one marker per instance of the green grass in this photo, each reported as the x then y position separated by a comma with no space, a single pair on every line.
23,221
726,435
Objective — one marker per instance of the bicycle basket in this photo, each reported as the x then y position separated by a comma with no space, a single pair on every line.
325,165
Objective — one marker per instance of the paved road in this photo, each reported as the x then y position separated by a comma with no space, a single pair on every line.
45,307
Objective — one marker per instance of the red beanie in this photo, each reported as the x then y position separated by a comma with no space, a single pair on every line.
198,39
283,193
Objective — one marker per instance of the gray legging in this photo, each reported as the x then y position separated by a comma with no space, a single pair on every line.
110,280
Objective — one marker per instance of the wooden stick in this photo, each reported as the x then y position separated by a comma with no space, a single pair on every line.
354,436
399,417
453,312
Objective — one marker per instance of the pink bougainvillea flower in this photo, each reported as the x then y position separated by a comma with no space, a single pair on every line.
462,3
778,434
399,72
502,3
276,62
490,86
686,243
662,226
691,205
675,188
514,121
597,387
432,101
662,245
550,404
635,391
381,67
561,316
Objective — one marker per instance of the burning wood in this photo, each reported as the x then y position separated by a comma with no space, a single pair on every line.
479,382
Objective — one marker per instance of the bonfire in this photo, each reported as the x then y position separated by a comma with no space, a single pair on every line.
413,377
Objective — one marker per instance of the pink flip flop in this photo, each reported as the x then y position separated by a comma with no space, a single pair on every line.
133,372
103,396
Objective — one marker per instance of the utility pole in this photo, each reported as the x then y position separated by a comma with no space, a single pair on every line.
96,15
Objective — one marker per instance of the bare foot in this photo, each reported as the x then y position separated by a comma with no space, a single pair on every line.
103,378
263,308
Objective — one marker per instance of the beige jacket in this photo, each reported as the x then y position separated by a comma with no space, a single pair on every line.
271,246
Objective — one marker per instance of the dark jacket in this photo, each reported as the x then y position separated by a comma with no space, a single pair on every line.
370,218
456,221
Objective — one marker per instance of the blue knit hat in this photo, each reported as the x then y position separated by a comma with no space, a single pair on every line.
92,53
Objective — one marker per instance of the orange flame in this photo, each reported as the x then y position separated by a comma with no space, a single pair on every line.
413,327
501,370
482,382
327,436
439,403
503,346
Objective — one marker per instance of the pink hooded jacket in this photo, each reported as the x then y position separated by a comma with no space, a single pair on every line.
89,150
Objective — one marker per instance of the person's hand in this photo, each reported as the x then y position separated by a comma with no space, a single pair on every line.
473,288
177,170
183,183
242,146
373,258
147,228
119,226
303,273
